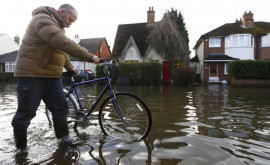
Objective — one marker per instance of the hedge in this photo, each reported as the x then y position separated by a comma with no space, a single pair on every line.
7,77
184,76
249,69
147,73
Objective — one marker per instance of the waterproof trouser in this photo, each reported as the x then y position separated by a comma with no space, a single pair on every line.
30,93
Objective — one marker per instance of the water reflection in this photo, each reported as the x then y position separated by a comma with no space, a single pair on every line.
204,124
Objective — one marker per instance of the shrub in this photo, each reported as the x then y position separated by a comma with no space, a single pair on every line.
7,77
184,76
138,73
249,69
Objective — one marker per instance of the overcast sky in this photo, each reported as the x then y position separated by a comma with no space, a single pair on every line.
100,18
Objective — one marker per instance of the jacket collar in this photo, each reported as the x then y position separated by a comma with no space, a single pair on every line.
54,13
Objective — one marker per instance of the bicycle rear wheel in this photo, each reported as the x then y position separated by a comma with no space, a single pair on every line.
137,117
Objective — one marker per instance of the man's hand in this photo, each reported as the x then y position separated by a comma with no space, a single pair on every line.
75,70
95,59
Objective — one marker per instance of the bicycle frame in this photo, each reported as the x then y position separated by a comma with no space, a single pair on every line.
108,86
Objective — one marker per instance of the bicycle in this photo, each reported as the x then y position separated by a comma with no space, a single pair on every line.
122,115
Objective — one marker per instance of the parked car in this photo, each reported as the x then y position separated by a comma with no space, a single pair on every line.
83,75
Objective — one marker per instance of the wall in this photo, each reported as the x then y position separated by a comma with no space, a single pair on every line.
132,54
243,53
265,53
213,50
153,55
249,83
105,53
199,52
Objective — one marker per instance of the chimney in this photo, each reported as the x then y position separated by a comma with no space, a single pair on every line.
17,39
247,20
77,38
151,16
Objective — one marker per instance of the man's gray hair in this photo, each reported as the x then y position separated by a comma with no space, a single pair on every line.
68,7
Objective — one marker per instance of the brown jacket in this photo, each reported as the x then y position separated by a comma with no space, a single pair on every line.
44,48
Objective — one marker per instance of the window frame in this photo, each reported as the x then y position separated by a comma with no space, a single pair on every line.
9,66
214,42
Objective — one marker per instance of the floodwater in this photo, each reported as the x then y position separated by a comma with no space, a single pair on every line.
198,125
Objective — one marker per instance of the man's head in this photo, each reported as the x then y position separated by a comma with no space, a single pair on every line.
68,13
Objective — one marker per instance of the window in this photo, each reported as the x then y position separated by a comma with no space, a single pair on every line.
239,40
226,68
100,49
266,40
214,42
9,66
177,64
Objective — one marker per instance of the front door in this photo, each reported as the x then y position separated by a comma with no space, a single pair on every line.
166,75
213,69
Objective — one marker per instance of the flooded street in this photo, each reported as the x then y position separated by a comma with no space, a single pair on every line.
198,125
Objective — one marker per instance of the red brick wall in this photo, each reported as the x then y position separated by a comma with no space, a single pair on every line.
105,51
265,53
213,50
221,72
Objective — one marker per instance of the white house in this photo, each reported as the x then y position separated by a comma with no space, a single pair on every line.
8,47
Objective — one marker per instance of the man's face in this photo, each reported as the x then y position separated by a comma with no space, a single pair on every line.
68,16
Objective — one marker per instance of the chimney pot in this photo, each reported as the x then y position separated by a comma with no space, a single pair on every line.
151,15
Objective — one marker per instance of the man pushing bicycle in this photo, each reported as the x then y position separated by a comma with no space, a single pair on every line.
38,69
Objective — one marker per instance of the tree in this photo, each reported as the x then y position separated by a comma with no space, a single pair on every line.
179,20
166,38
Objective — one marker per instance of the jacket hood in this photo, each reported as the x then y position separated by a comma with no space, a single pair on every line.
51,12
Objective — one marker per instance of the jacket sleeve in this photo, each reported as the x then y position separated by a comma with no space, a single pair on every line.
68,66
49,31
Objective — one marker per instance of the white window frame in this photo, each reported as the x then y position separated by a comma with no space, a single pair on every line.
225,68
239,40
214,42
9,66
265,42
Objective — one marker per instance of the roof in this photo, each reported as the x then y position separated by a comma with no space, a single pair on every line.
7,44
91,44
11,56
138,31
194,59
260,28
219,57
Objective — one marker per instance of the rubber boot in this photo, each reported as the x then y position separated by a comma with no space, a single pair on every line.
62,133
20,137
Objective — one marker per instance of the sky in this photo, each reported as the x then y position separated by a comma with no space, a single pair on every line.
100,18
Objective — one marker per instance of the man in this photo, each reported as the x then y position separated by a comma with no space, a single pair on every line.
39,65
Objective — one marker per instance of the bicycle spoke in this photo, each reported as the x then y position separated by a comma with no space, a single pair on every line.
137,117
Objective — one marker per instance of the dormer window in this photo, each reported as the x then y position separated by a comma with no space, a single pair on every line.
214,42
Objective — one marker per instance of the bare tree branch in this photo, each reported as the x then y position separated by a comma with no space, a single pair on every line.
168,40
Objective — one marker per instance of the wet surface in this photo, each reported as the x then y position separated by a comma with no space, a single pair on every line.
204,124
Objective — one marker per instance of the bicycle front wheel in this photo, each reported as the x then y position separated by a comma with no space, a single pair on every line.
137,119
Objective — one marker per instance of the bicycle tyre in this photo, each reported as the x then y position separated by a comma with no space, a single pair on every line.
138,121
73,108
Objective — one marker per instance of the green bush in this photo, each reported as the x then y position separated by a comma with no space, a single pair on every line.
7,77
249,69
137,73
184,76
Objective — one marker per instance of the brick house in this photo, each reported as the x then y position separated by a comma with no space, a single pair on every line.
242,40
8,47
97,46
